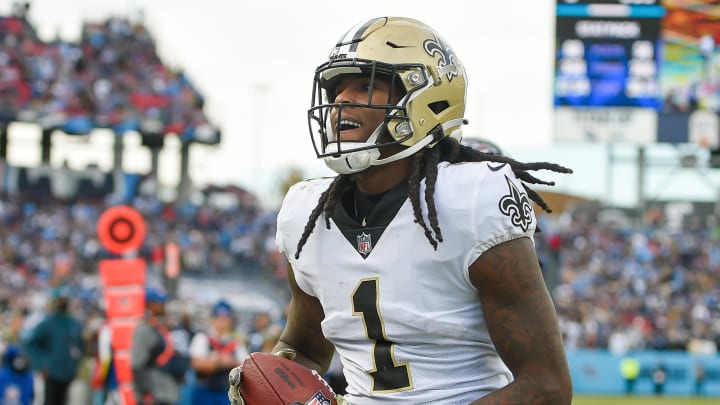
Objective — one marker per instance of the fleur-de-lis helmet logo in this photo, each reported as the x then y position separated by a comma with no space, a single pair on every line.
438,48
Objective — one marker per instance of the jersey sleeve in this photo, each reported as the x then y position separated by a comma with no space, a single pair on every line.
294,212
293,215
501,210
282,222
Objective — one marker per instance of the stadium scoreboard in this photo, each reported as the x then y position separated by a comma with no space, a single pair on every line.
638,71
608,54
607,64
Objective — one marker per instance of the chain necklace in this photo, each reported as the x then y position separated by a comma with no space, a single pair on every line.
357,214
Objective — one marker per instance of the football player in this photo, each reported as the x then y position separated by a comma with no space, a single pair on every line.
416,263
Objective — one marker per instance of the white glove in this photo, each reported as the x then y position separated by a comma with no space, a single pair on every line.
236,375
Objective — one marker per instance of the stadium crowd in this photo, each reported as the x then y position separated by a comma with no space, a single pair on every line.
620,287
49,245
112,78
627,287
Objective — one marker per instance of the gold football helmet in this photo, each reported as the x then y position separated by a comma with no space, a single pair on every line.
406,52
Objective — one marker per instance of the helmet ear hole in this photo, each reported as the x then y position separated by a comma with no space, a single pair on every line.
438,106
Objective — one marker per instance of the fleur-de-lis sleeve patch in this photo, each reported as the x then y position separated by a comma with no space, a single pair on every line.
516,205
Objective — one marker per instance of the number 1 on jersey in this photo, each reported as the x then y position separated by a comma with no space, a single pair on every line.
387,375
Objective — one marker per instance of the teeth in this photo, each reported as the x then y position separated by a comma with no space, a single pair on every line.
348,123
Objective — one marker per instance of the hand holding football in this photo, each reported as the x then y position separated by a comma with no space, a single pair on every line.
268,379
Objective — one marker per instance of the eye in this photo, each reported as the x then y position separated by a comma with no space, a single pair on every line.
367,85
332,92
338,89
330,96
342,86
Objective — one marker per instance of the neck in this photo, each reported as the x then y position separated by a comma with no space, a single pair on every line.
378,179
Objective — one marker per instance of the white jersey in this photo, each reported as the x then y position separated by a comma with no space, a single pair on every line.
405,318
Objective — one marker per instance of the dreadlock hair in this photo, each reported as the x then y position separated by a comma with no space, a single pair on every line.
425,165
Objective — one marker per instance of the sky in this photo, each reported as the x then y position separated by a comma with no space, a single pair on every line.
254,61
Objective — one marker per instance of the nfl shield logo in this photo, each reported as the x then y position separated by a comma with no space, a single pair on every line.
364,244
318,399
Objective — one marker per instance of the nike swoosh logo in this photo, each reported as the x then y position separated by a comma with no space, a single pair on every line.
496,168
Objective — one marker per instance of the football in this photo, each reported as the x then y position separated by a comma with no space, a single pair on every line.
268,379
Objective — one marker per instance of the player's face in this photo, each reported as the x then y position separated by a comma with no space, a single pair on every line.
357,123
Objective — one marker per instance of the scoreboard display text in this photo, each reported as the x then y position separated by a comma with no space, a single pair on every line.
608,53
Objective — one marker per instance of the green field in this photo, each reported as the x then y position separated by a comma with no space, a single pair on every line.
643,400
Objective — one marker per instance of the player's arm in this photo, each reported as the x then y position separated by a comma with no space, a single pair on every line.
301,340
302,331
522,322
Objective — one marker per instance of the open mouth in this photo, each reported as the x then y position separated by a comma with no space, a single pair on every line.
349,130
347,125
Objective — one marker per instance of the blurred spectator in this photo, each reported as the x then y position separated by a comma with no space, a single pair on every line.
214,353
11,333
182,333
699,379
103,381
257,333
271,337
158,369
630,370
16,380
659,377
55,347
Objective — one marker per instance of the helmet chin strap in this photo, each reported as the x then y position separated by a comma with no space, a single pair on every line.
354,162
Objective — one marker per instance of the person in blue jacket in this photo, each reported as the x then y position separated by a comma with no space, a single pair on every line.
16,381
55,348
